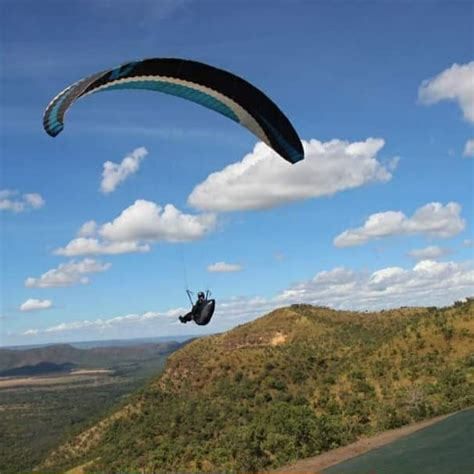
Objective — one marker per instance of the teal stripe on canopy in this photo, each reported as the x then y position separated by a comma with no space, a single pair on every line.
179,90
53,121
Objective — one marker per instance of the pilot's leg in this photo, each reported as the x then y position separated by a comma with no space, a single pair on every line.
186,318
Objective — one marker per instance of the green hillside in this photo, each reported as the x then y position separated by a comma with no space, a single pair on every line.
294,383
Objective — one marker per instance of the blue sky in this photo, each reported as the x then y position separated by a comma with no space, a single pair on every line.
379,214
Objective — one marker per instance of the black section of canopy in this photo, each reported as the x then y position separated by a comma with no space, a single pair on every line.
254,101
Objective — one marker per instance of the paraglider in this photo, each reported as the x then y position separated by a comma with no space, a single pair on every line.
206,85
214,88
202,311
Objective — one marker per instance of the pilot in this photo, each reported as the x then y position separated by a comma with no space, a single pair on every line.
195,310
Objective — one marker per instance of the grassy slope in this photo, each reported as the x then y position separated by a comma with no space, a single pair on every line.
294,383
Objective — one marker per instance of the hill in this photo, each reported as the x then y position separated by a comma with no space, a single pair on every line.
97,357
292,384
40,368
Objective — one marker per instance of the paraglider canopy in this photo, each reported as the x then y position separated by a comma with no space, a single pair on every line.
206,85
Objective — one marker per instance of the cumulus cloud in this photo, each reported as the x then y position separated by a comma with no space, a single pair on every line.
433,219
232,311
87,229
223,267
427,283
134,318
91,246
264,180
432,252
455,83
13,201
138,225
34,200
116,173
238,310
36,305
469,148
145,220
67,274
130,323
468,243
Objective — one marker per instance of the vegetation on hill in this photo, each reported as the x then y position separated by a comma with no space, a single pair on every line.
295,383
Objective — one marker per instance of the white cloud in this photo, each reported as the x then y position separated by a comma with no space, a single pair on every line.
36,305
229,312
263,180
338,275
427,283
129,319
455,83
433,219
87,229
34,200
114,174
241,309
145,220
12,201
135,227
67,274
133,324
91,246
469,147
223,267
429,253
468,243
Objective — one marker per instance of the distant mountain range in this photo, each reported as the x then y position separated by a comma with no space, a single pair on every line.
33,360
42,368
107,342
